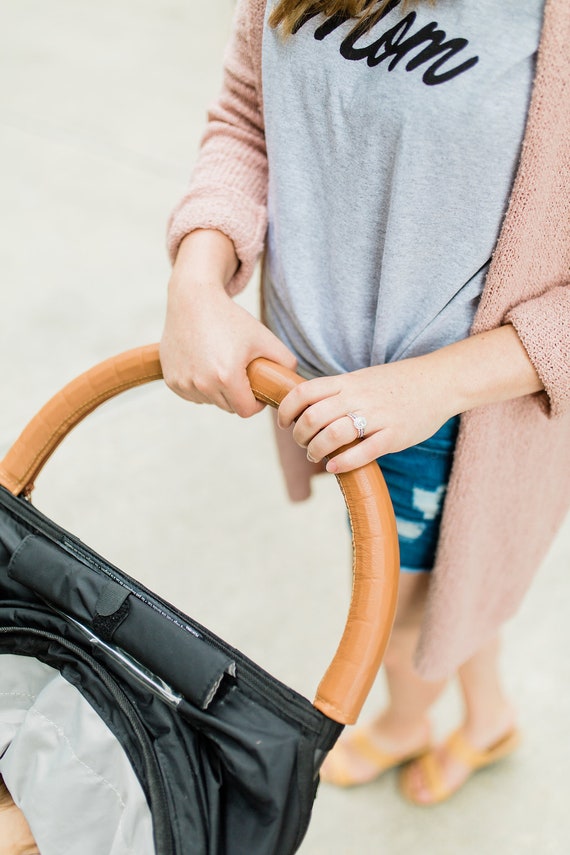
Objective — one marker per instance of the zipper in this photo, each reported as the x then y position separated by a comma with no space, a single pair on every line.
149,681
158,801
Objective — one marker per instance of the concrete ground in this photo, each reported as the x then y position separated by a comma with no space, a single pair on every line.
101,108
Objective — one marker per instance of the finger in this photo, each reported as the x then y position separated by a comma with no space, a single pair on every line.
224,404
339,432
239,395
202,395
305,395
275,350
361,453
324,419
215,399
240,398
187,391
251,409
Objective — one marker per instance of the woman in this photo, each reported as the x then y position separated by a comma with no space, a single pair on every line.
374,149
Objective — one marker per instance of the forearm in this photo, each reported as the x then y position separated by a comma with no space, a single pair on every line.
228,190
483,369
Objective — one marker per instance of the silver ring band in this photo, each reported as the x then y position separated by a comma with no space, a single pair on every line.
359,423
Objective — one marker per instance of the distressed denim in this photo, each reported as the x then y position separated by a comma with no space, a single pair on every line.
417,481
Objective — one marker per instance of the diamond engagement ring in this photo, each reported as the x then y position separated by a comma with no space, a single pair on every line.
359,423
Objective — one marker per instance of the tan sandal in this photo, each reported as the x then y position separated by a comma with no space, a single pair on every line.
359,743
462,751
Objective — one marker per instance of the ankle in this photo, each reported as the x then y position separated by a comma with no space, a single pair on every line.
484,726
392,723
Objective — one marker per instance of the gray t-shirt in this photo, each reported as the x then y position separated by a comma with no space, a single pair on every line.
391,159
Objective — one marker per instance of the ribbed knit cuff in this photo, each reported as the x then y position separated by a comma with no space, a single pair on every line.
228,211
542,326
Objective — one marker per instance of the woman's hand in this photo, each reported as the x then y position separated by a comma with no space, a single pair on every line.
400,401
208,339
406,402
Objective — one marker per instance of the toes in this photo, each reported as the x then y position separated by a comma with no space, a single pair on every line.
416,783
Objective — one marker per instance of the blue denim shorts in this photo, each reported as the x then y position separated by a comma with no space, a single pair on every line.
417,480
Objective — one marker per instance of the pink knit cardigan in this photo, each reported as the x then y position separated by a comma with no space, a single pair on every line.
510,483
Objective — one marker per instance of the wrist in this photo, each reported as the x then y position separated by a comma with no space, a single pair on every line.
484,369
436,373
205,256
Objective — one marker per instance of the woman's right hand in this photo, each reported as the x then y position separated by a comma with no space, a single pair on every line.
208,339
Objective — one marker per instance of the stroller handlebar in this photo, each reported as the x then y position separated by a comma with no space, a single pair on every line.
348,679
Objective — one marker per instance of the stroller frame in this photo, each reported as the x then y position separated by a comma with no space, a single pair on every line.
96,613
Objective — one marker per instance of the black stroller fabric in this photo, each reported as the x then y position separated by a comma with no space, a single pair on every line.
227,757
126,728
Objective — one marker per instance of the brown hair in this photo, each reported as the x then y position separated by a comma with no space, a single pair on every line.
289,15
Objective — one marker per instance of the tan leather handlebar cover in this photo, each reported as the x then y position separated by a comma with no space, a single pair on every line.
348,679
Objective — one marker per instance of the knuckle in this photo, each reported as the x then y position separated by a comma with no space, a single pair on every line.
202,385
297,396
175,383
336,433
224,376
310,419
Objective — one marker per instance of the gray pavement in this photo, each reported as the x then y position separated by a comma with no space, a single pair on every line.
101,108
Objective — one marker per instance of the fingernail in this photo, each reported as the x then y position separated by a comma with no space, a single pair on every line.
331,467
310,459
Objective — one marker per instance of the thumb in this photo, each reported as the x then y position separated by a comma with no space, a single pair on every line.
274,349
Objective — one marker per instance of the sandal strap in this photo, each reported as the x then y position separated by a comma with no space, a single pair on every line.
361,743
430,767
358,744
474,758
430,770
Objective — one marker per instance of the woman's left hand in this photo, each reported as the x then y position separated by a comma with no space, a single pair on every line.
406,402
403,404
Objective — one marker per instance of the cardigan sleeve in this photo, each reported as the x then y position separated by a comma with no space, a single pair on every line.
228,187
543,325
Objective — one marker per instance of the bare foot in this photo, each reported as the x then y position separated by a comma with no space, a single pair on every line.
362,754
